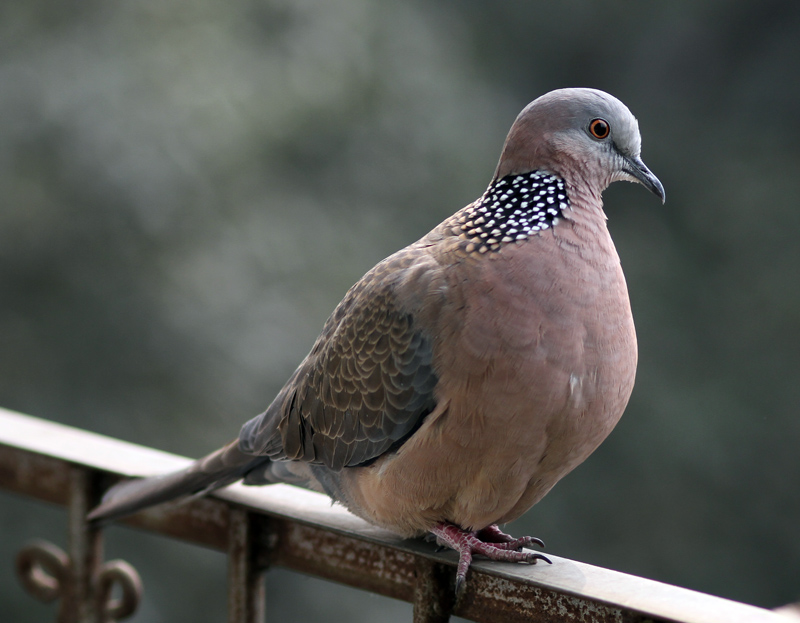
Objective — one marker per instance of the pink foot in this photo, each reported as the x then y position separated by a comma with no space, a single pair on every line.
501,540
490,542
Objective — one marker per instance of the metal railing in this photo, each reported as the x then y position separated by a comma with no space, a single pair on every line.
289,527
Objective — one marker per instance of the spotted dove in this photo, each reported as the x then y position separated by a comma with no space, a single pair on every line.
464,375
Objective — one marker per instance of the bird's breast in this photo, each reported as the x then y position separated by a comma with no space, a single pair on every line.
539,319
535,361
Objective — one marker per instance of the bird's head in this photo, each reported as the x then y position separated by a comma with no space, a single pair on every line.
586,136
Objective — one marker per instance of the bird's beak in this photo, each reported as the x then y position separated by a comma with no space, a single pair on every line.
638,170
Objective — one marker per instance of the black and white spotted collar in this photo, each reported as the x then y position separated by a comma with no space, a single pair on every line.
513,209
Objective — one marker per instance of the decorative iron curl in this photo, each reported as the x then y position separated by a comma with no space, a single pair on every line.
125,576
45,571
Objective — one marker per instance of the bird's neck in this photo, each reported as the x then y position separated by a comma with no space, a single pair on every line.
520,206
585,229
586,205
512,209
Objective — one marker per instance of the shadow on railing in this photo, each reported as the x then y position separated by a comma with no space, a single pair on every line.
284,526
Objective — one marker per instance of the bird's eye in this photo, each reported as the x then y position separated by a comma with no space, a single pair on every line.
599,128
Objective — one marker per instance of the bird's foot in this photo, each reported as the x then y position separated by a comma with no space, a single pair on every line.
494,535
490,542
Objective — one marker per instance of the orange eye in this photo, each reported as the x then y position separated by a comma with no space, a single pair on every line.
599,128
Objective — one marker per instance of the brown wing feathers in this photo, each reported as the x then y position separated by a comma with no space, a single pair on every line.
366,384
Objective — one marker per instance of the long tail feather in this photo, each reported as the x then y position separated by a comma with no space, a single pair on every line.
217,470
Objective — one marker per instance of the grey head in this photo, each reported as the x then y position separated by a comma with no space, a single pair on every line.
585,136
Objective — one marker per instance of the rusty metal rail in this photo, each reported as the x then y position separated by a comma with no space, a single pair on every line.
296,529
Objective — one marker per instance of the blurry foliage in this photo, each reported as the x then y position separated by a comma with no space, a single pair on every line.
189,189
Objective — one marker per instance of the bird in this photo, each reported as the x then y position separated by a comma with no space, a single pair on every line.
463,376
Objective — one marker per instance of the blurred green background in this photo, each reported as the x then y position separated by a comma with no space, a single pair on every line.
188,189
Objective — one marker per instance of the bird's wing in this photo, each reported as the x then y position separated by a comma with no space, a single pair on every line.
368,382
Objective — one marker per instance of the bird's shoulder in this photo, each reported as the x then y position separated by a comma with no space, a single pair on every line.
368,381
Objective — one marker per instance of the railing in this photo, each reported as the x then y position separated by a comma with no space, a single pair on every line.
284,526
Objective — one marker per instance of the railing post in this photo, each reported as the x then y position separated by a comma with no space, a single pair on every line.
247,566
433,592
85,549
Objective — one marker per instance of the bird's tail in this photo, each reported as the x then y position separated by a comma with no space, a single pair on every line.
219,469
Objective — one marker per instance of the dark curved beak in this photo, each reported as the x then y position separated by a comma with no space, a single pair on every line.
637,169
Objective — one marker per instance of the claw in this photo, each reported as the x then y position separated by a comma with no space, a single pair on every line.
490,542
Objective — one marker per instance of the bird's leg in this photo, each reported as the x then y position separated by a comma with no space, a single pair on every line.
497,546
